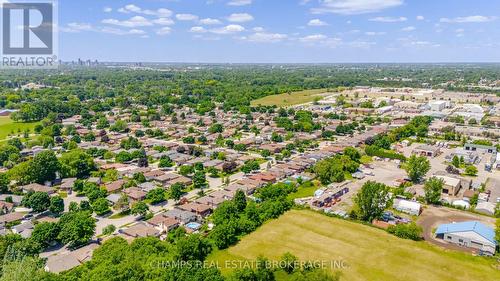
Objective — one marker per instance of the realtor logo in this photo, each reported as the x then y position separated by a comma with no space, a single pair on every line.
28,34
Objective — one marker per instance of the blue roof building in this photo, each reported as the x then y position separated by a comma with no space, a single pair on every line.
470,234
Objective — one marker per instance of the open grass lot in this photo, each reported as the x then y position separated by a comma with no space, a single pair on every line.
7,126
290,99
371,254
302,192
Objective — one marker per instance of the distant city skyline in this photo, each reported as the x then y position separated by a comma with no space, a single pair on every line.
280,31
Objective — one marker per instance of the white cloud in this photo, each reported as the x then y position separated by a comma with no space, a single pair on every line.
374,33
107,9
389,19
240,17
408,28
116,31
420,18
164,30
469,19
75,27
136,31
198,29
258,29
134,21
412,43
317,22
164,21
210,21
313,38
228,29
131,8
186,17
361,44
239,2
320,40
352,7
460,32
266,37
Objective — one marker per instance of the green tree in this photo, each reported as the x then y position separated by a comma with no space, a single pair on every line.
165,162
407,231
25,268
100,206
76,228
4,183
176,191
240,200
372,200
455,161
156,195
290,262
56,205
45,233
139,208
199,180
37,201
416,167
77,163
352,153
44,166
109,229
433,189
471,170
193,247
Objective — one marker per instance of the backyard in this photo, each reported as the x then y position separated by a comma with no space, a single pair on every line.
370,253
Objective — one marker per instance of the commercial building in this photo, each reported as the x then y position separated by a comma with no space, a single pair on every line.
470,234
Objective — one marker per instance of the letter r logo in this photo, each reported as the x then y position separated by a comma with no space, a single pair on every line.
27,28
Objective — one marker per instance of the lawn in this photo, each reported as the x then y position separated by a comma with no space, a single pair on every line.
370,253
8,126
290,99
303,191
365,159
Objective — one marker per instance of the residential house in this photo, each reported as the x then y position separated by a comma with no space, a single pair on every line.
141,229
182,216
114,186
37,188
163,223
135,194
201,210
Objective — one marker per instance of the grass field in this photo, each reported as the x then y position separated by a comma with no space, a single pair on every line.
370,253
7,126
290,99
303,192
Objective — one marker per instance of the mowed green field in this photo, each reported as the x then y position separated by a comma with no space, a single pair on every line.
7,126
370,253
290,99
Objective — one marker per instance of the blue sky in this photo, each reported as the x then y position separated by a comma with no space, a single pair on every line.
295,31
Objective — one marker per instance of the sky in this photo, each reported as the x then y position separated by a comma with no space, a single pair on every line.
280,31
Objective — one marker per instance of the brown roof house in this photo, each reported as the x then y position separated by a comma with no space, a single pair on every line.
115,186
163,223
141,229
201,210
37,188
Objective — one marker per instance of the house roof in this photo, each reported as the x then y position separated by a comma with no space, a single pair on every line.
486,232
61,263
